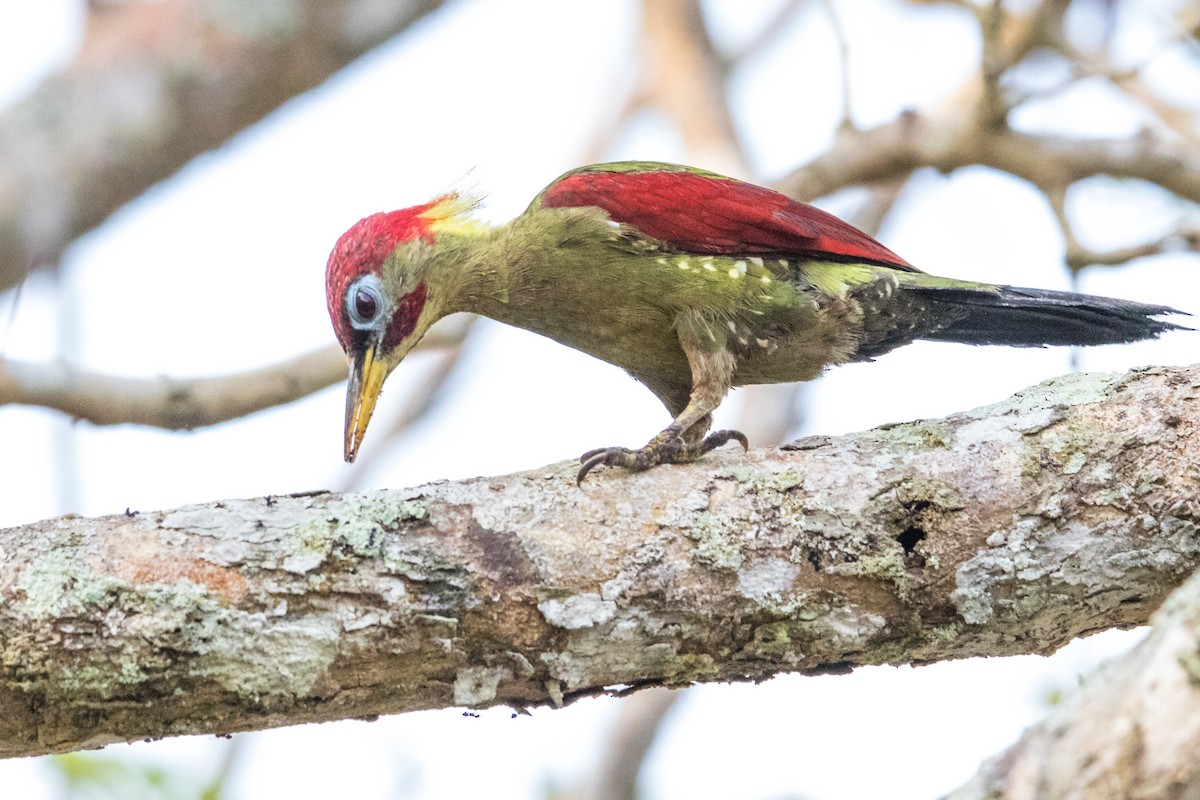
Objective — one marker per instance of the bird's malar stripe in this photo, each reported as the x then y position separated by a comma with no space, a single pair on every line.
404,320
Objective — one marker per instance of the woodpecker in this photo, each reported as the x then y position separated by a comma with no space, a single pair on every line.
690,281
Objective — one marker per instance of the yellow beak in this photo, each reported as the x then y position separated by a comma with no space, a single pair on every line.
366,379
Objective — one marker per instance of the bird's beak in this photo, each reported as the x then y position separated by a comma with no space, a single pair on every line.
367,372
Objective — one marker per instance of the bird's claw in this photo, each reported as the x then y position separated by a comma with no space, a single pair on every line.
667,447
660,450
718,438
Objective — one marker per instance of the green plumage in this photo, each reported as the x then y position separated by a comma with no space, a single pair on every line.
571,275
695,283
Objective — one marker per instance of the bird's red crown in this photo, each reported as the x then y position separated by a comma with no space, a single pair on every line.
366,246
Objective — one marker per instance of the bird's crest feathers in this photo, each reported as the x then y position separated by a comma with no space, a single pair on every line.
388,230
370,241
451,213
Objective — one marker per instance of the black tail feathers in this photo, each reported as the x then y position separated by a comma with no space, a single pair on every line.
1017,317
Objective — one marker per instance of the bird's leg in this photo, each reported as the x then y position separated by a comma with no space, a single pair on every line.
712,366
673,445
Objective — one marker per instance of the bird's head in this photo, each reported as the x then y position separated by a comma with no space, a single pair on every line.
377,286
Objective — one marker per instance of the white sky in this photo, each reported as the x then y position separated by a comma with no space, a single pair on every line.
221,268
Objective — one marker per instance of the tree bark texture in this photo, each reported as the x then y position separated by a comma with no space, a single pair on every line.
1069,508
1131,731
154,86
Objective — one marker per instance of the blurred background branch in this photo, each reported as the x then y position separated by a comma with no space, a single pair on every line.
185,404
156,85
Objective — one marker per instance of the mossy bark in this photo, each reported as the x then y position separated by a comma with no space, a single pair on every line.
1067,509
1131,731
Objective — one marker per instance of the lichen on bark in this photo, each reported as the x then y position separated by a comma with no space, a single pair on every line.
1068,509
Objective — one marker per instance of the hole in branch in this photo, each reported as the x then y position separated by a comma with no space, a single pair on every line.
909,537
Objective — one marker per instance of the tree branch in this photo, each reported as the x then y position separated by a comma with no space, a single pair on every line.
633,734
949,142
171,403
188,403
685,78
1068,509
1079,257
155,85
1132,730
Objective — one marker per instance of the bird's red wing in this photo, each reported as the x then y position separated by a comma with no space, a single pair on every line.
711,215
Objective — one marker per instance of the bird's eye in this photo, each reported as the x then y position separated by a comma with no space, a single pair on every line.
364,302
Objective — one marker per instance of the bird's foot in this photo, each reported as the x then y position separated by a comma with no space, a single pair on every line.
668,447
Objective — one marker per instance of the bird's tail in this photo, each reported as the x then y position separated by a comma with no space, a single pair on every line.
1017,317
